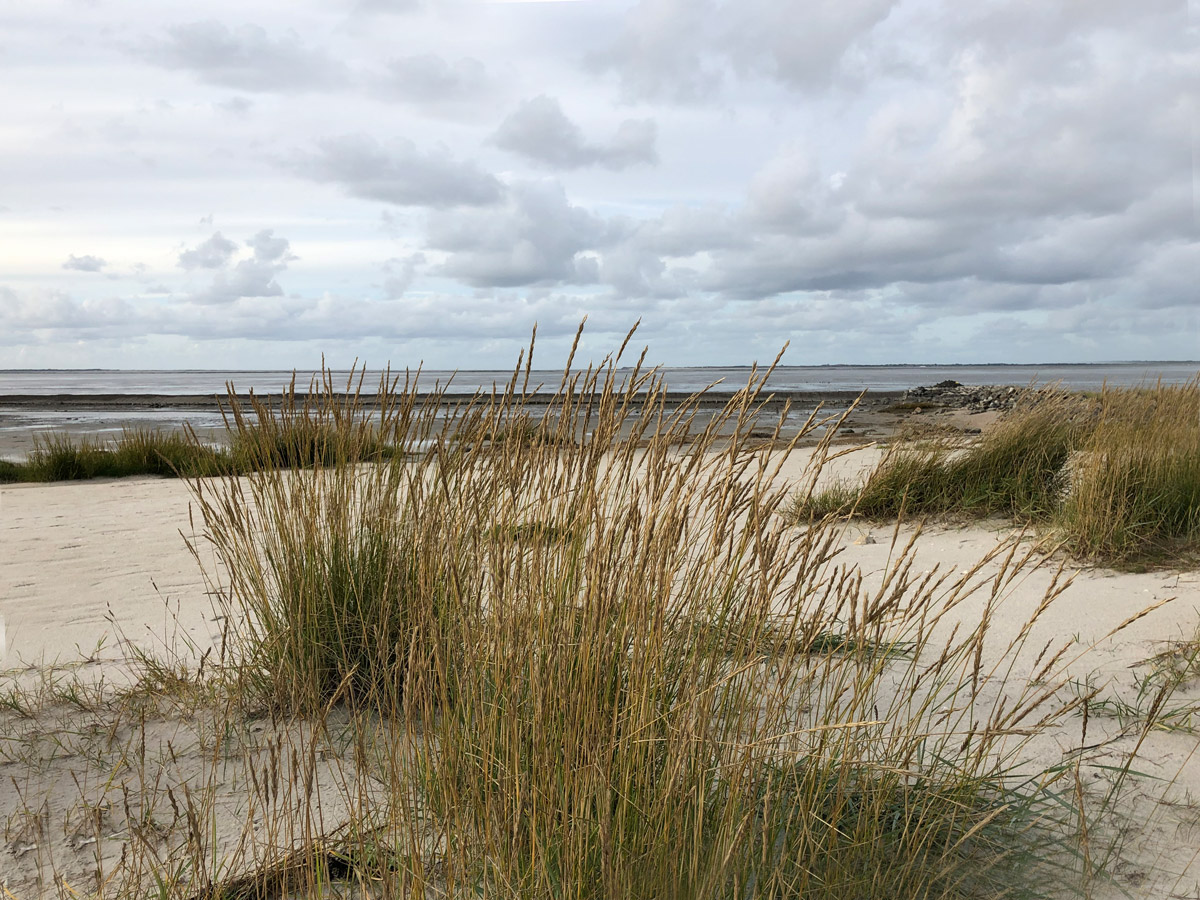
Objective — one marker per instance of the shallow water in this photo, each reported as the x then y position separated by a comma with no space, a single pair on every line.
20,426
1088,376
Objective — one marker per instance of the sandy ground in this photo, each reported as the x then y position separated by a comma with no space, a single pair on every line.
87,567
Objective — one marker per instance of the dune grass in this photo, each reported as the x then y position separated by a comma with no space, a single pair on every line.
582,655
294,432
59,457
1135,485
1116,475
1016,468
606,667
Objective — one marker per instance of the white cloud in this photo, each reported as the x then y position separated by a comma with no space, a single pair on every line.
398,173
540,131
84,263
535,237
245,57
212,253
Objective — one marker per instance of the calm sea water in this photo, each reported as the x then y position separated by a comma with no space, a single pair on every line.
785,378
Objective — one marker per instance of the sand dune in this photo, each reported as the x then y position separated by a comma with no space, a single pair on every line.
86,566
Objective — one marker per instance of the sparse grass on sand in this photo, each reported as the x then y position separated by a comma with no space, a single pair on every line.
1116,475
592,662
59,457
291,433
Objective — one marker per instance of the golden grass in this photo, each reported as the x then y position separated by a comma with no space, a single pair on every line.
576,652
1115,475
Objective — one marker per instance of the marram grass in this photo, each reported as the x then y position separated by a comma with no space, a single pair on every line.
58,457
1134,485
577,652
589,658
1116,475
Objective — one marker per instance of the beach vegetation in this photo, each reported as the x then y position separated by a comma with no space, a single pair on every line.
61,457
606,667
1134,484
1115,476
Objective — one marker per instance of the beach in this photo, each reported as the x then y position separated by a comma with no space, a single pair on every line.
92,574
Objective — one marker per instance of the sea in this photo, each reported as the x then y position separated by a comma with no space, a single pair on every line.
1074,376
18,424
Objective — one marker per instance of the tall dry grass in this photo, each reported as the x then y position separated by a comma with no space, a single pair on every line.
584,655
567,649
1135,482
1115,476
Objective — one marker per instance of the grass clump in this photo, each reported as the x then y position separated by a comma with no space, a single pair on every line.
595,662
1014,469
59,457
1115,475
1135,482
324,554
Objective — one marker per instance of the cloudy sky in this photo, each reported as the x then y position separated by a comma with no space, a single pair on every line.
253,184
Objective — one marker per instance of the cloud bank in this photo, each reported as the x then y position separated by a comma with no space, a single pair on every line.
878,181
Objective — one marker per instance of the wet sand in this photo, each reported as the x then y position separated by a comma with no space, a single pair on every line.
24,418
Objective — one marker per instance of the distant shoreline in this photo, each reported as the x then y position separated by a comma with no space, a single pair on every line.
212,402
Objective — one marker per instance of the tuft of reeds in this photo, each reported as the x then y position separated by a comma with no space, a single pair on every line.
1135,482
1116,475
59,457
584,655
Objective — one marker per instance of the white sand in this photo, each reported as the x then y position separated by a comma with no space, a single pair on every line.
82,565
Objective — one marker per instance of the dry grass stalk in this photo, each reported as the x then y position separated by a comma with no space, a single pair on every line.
577,651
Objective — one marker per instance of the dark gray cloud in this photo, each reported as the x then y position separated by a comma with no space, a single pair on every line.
540,131
399,173
429,79
84,263
246,58
212,253
537,236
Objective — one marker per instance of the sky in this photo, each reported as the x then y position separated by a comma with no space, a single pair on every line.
260,184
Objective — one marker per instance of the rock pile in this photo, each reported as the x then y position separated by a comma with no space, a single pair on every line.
976,398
